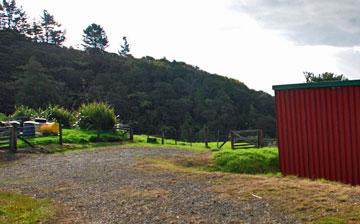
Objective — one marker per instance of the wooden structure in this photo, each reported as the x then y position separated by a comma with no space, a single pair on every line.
8,138
318,128
244,139
126,129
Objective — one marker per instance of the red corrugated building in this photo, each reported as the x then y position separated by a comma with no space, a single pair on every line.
318,128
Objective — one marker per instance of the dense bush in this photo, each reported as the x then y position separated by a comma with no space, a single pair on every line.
251,161
3,117
148,93
60,114
96,116
24,112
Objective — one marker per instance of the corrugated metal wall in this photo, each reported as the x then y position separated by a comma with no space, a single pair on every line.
319,132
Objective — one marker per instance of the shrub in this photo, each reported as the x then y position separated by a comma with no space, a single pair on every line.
3,117
24,112
251,161
96,116
59,114
105,138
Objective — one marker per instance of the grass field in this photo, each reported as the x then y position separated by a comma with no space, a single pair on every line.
76,137
21,209
84,137
251,161
140,140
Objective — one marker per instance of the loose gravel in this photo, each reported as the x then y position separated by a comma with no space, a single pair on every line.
112,185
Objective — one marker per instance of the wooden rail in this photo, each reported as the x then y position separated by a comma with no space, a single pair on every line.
8,138
245,139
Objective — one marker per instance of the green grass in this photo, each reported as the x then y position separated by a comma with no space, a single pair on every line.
264,161
77,138
3,117
140,141
332,220
251,161
74,136
21,209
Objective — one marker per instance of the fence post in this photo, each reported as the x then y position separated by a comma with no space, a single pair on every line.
162,137
190,137
206,137
60,134
232,136
260,139
131,134
13,139
175,132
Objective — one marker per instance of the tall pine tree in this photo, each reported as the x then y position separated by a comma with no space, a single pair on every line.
2,17
125,48
95,38
13,17
35,32
52,34
21,22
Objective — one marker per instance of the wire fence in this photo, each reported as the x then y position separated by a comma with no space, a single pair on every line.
188,137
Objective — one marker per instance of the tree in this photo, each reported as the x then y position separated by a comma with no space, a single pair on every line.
35,87
57,37
35,32
95,38
52,34
2,17
13,17
324,77
125,48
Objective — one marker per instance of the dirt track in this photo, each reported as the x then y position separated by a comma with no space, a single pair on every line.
114,185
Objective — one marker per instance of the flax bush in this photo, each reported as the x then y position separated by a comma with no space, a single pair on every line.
96,116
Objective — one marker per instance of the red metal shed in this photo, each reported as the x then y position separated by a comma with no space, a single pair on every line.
318,127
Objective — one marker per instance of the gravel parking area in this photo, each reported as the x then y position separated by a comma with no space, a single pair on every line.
112,185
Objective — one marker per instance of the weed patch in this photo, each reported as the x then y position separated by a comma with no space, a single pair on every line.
17,208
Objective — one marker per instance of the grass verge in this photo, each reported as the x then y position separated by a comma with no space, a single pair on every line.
140,141
309,201
21,209
251,161
75,136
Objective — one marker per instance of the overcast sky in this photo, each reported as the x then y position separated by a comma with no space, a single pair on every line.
259,42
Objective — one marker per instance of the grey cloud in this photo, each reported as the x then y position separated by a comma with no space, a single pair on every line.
308,22
349,62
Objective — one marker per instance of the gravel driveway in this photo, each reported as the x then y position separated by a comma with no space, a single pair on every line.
112,185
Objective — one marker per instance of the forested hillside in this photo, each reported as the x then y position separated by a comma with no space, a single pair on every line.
147,93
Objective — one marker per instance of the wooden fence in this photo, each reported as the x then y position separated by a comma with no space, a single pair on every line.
126,130
8,138
245,139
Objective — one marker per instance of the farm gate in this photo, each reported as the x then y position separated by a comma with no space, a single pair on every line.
245,139
8,138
